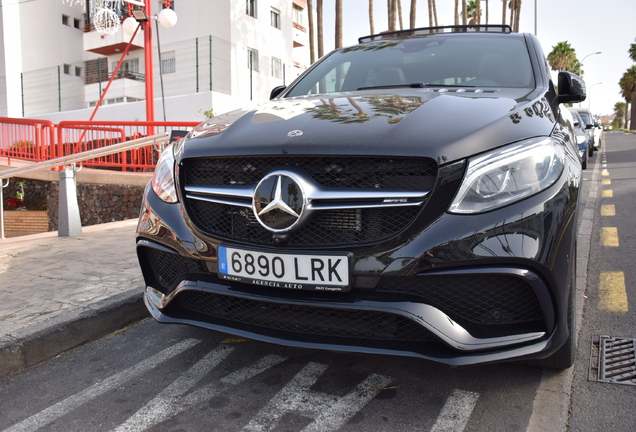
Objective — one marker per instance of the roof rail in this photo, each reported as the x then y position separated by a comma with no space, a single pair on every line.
490,28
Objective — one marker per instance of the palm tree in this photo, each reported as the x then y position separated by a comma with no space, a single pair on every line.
515,12
399,10
473,11
486,12
321,49
620,109
391,9
563,57
456,12
503,13
430,13
632,51
338,23
434,12
412,14
371,28
464,14
312,48
628,89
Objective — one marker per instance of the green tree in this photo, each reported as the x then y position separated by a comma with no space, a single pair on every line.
563,58
627,84
632,51
473,11
620,108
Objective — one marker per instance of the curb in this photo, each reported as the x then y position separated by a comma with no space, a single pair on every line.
35,344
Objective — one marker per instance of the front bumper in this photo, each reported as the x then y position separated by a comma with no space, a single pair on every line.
465,290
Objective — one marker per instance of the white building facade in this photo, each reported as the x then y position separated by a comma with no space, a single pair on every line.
54,64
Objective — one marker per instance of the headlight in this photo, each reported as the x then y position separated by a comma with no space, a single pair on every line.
163,179
580,139
508,175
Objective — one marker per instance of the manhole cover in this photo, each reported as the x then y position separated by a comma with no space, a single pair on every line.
613,360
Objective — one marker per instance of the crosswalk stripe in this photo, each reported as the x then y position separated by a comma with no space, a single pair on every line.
612,292
456,412
60,409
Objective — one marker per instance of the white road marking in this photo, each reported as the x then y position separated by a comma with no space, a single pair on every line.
176,399
62,408
456,412
328,411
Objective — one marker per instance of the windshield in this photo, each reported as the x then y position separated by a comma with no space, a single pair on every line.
446,60
585,118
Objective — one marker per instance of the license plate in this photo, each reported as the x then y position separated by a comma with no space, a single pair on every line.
285,270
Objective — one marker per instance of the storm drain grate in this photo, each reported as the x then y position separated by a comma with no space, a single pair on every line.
613,360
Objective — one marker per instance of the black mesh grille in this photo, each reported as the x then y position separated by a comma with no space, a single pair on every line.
480,299
332,228
298,321
169,269
356,172
327,228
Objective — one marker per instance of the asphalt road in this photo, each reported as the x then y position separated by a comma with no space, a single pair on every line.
610,308
180,378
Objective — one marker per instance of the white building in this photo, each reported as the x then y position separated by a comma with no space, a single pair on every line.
54,64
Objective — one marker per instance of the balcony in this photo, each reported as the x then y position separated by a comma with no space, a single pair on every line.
110,44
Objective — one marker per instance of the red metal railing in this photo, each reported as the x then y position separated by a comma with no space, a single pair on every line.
26,139
40,140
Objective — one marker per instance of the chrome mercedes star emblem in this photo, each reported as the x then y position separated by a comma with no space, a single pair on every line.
278,202
294,133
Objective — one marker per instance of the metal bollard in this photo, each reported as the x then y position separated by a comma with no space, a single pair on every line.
69,222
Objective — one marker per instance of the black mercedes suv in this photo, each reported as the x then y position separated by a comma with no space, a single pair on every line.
415,194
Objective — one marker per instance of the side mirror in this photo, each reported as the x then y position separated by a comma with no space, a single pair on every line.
276,91
571,88
589,126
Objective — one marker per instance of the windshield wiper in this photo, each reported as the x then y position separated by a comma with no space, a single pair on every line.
447,85
412,85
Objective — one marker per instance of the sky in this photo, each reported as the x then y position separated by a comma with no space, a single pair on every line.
589,26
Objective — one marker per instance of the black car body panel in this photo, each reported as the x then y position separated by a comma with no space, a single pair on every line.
380,173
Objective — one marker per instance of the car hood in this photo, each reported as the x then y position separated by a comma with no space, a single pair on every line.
443,125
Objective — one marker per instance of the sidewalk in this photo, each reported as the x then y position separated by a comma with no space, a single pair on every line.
57,293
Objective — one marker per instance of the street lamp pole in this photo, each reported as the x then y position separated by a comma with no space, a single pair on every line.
150,92
589,95
581,62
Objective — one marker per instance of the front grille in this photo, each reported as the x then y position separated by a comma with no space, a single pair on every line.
169,269
474,300
297,321
327,228
413,174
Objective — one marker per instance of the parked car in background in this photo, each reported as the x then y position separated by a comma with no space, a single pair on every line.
607,127
415,194
582,134
593,126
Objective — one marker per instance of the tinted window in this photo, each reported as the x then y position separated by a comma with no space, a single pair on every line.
585,117
488,61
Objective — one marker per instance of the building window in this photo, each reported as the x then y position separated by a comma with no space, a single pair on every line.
76,23
275,18
251,8
277,67
252,59
168,62
297,14
67,69
65,20
78,71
